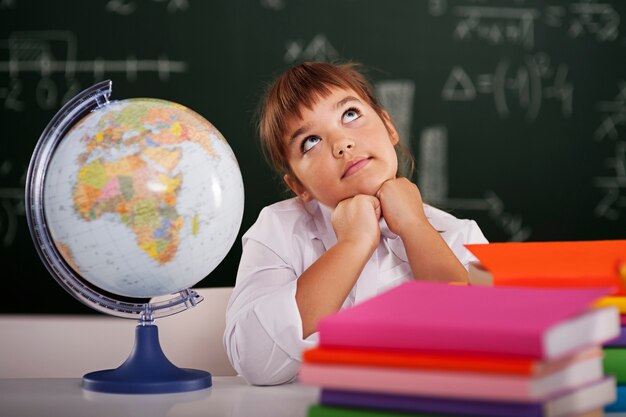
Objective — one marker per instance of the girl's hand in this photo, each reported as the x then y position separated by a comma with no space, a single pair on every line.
402,206
429,255
324,285
355,220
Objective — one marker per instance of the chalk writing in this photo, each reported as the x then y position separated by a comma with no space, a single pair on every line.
516,25
433,184
11,206
608,133
515,86
7,4
599,20
273,4
397,97
496,25
318,49
433,163
614,187
46,53
613,115
127,7
437,7
511,224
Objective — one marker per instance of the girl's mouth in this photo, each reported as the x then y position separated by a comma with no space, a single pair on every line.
354,166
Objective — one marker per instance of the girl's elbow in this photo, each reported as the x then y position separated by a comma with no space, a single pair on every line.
265,377
260,363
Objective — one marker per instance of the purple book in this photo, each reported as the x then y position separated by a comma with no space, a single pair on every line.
586,398
619,341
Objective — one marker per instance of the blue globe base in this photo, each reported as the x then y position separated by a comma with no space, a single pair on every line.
147,371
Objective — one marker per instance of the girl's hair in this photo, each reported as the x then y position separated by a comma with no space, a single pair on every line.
303,85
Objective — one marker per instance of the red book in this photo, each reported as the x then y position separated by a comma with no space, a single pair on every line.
583,264
454,362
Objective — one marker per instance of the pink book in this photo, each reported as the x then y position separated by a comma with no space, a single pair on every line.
538,323
468,385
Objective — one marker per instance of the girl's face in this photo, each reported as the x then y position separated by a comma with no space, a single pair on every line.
340,148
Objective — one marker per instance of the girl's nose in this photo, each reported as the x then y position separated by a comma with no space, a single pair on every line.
342,146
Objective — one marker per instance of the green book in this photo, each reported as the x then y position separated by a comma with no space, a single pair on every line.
327,411
615,363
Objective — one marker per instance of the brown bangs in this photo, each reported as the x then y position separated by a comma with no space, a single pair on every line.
300,86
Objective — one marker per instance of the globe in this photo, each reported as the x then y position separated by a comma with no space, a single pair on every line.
143,197
128,202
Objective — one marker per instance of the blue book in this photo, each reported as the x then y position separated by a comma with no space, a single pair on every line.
577,401
620,402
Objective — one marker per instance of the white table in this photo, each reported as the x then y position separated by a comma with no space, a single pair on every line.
229,396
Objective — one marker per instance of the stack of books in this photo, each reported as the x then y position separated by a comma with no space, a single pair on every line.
437,349
615,365
583,264
615,350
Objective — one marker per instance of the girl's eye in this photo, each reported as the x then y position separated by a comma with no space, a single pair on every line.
350,115
308,143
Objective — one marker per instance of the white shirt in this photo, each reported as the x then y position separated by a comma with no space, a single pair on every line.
263,336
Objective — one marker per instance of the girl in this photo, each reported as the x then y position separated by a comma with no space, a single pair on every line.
353,229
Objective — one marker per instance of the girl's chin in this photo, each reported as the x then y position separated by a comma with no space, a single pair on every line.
372,187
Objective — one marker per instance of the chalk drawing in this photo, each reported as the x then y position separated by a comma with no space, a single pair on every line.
496,25
397,97
520,87
47,53
274,4
433,181
318,49
7,4
128,7
516,25
11,207
433,163
609,135
598,20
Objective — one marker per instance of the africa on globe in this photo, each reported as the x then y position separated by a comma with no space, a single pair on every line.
143,197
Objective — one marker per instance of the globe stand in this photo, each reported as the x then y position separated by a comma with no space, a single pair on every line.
147,370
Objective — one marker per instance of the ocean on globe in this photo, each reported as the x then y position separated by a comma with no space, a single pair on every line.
143,197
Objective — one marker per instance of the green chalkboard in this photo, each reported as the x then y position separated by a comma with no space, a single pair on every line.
515,110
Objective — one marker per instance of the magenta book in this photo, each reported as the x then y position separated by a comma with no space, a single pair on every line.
539,323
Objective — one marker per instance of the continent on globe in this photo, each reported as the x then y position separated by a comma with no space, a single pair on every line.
140,188
142,197
66,252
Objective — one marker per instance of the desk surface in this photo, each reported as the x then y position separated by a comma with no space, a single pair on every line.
229,396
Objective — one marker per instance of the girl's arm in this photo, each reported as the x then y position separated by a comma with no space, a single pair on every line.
264,334
324,286
429,255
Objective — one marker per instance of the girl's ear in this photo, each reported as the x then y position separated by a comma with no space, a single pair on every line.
393,133
295,186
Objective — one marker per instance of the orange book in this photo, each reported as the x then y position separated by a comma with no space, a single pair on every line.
454,362
582,264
